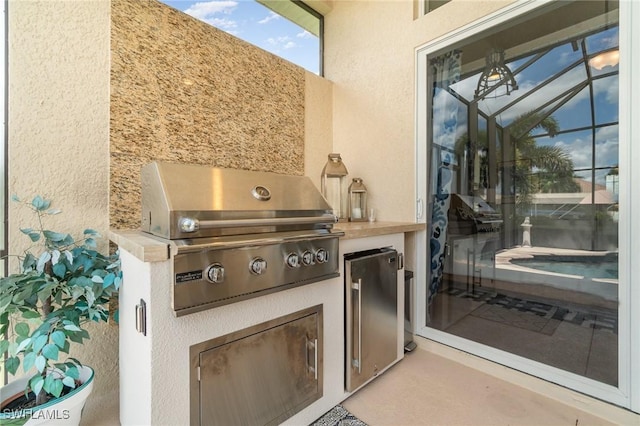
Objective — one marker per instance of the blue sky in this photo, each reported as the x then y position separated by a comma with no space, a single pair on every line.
575,114
252,22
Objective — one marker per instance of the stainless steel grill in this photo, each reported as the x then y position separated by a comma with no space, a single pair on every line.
237,234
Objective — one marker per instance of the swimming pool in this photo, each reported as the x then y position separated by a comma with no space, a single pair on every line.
605,266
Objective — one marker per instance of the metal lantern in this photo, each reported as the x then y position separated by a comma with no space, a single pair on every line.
357,201
334,185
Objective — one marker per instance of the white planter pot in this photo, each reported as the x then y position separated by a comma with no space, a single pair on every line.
65,410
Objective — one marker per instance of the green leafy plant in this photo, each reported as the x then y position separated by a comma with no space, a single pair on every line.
64,283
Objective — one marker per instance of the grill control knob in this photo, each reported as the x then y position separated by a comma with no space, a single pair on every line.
307,258
292,260
322,256
215,273
257,266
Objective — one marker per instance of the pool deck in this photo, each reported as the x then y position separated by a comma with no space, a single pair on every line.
598,291
504,258
521,252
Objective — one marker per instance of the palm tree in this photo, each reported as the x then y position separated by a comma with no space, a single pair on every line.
538,169
546,169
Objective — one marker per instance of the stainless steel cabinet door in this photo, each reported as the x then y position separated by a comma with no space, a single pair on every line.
372,314
262,378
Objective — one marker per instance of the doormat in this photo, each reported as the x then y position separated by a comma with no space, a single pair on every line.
597,318
526,320
338,416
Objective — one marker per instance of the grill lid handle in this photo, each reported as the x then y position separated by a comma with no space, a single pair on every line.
188,224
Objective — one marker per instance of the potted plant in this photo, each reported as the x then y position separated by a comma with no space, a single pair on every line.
63,284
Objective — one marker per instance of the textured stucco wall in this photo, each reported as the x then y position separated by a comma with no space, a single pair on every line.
184,91
318,125
59,94
370,58
59,142
145,386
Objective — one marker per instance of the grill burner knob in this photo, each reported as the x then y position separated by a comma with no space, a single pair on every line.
307,258
322,256
258,266
292,260
215,273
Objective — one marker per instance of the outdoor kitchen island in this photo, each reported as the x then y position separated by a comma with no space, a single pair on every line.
155,377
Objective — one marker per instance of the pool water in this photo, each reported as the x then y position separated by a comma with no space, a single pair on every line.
588,267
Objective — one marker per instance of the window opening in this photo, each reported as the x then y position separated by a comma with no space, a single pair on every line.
287,28
430,5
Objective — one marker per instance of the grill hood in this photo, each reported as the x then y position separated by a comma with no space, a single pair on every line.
190,201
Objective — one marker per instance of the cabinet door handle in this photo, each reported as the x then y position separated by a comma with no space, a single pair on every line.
141,317
313,345
357,362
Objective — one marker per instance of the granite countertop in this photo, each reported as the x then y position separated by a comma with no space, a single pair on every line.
370,229
150,248
142,245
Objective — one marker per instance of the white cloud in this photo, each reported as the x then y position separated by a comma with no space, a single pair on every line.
606,150
207,11
607,133
579,150
607,147
275,41
612,91
566,57
283,42
270,17
222,23
607,42
607,153
305,34
204,10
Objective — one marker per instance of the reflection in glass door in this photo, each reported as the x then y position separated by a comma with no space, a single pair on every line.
523,189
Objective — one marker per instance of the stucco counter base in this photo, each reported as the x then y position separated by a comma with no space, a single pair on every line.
154,368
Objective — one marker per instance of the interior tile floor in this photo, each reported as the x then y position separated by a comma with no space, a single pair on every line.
426,388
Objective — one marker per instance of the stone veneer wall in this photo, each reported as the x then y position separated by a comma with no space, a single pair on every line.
184,91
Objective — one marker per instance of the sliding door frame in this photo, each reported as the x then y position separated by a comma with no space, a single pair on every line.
627,393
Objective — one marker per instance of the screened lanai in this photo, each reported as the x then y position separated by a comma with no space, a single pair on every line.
524,188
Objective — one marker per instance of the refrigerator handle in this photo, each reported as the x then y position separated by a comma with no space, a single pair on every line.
357,362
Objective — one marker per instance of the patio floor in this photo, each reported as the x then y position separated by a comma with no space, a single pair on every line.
427,388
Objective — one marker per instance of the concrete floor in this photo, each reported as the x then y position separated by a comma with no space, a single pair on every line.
426,388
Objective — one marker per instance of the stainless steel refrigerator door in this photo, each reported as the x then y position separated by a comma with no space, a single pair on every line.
372,314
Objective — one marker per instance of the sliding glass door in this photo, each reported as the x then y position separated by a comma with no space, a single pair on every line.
520,125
